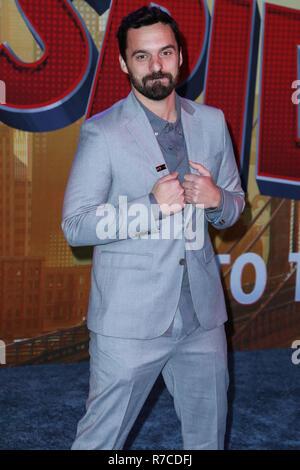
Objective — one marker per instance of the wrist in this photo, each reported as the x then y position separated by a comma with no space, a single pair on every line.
217,200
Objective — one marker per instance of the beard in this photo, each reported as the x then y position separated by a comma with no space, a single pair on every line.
156,90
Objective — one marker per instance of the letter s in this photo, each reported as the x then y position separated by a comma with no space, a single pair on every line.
52,92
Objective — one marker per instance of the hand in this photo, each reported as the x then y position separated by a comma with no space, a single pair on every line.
201,189
169,194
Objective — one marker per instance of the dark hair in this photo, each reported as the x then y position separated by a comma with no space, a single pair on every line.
145,16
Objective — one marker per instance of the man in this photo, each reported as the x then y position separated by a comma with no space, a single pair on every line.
156,303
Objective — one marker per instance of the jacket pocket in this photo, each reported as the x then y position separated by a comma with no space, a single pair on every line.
125,281
114,259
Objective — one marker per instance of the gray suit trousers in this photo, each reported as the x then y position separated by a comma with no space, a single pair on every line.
123,371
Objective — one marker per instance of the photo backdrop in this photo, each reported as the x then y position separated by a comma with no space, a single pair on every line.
59,66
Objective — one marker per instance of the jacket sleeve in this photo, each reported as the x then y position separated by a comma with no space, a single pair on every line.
233,198
87,217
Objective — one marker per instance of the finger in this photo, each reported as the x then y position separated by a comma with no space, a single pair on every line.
191,177
175,185
189,186
170,176
188,195
189,199
187,183
200,168
189,189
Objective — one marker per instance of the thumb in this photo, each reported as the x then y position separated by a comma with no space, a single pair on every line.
200,168
170,176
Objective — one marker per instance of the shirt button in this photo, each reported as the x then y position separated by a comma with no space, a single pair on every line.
182,261
156,133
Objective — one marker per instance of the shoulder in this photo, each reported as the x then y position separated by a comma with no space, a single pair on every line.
103,126
201,111
116,116
109,115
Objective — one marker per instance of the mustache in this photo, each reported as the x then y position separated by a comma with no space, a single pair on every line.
156,75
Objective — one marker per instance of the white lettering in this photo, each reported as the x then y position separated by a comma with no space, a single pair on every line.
295,96
223,259
295,358
295,258
260,281
106,227
194,239
137,225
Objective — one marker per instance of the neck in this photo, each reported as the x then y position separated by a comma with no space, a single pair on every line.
165,108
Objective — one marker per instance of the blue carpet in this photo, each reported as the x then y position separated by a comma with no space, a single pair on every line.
40,406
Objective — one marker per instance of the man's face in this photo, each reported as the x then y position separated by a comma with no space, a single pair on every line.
152,60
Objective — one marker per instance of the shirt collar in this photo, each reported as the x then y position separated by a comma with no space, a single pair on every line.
157,123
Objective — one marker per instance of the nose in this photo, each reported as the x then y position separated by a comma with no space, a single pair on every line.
155,64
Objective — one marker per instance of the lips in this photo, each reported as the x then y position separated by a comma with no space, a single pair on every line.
157,77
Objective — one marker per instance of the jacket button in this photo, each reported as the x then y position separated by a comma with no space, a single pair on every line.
182,261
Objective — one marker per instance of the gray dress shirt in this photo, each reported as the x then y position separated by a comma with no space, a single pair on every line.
170,138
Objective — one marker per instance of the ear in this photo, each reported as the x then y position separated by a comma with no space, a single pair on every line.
180,58
123,64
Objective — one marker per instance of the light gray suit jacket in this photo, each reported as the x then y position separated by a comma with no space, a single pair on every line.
137,274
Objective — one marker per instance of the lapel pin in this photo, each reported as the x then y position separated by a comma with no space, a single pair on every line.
161,167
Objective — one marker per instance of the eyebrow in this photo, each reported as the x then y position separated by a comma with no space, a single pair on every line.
143,51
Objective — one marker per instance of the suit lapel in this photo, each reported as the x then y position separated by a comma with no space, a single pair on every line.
193,134
140,128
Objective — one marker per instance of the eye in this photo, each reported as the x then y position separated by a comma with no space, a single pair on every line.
167,52
141,57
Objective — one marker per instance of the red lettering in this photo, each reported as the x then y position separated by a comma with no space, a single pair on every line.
278,152
110,84
52,92
231,71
